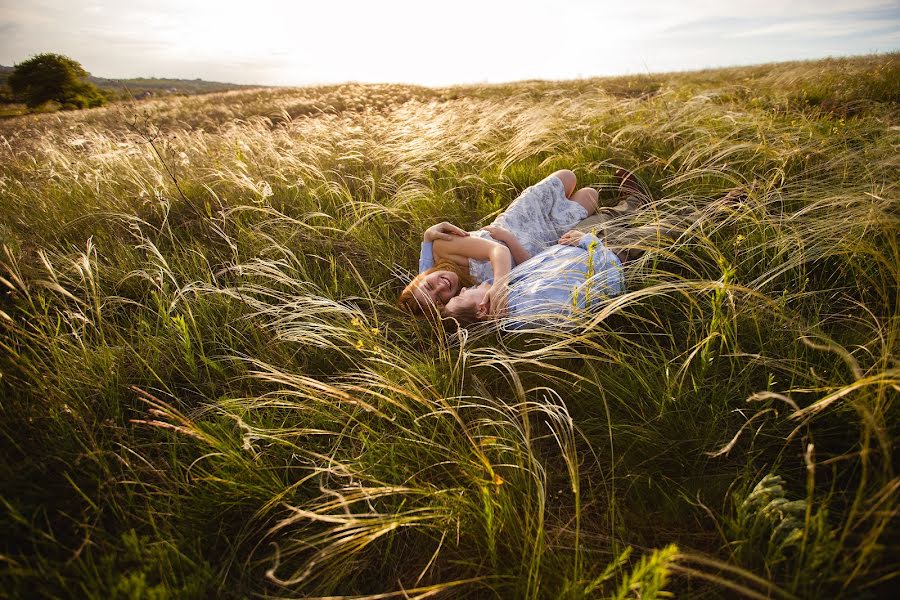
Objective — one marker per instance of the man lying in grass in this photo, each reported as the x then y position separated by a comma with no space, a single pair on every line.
547,288
580,270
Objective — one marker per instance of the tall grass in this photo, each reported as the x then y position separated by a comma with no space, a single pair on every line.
206,389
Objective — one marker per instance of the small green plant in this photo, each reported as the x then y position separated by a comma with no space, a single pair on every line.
770,522
647,579
774,534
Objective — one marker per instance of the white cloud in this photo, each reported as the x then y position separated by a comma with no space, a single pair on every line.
274,42
822,28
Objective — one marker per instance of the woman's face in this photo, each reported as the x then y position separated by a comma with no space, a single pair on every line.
437,288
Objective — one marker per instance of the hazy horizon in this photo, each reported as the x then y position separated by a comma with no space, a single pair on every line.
404,42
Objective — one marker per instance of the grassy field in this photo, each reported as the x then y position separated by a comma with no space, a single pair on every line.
206,390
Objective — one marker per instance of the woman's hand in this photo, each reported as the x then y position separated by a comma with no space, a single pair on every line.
571,237
494,303
443,231
519,253
499,233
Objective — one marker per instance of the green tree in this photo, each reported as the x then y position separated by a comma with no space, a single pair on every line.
55,77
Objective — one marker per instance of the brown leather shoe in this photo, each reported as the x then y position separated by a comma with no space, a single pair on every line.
734,197
625,207
628,254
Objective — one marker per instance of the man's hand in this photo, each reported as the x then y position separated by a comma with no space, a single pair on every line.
498,233
494,303
571,237
443,231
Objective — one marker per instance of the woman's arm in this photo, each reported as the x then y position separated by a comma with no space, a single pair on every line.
461,249
443,231
440,231
518,251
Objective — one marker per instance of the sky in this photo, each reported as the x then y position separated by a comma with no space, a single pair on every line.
271,42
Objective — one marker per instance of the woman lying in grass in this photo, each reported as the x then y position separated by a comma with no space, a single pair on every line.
452,258
548,287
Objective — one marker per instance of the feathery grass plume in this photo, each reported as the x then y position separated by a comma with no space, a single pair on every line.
206,388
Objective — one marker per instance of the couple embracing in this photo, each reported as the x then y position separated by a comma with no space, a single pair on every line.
530,265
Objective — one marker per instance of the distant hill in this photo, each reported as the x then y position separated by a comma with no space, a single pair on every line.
145,87
159,86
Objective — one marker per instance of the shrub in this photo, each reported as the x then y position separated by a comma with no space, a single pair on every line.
54,77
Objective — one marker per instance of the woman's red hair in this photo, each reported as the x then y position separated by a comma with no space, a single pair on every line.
408,302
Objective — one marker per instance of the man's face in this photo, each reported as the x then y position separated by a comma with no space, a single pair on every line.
437,288
467,301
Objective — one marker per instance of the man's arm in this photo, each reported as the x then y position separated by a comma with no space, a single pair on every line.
587,239
426,257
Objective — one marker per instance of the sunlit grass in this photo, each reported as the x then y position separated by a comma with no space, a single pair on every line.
206,389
